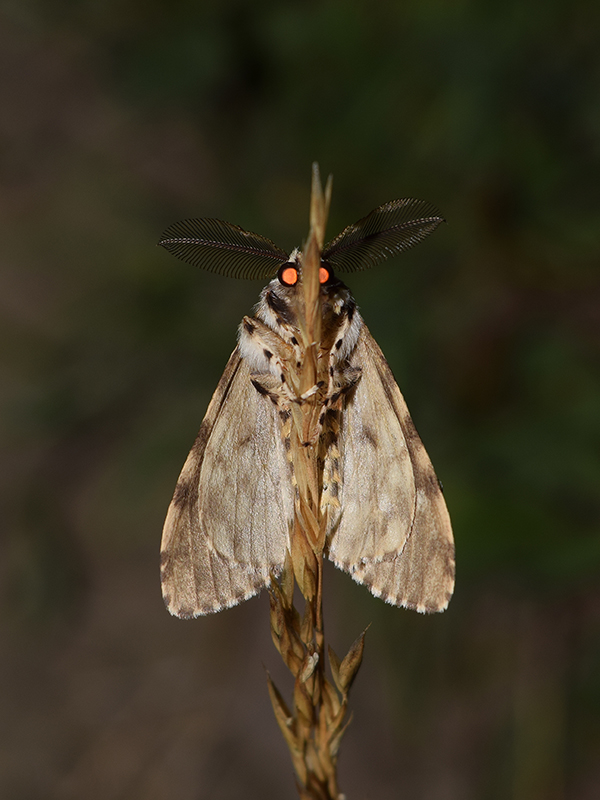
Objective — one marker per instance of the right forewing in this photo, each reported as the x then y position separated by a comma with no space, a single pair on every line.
393,533
228,524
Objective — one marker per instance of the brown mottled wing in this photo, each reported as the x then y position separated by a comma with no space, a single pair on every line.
228,524
393,533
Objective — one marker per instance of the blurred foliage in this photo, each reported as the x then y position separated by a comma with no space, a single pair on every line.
121,117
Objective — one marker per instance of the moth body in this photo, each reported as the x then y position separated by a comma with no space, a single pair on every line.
229,524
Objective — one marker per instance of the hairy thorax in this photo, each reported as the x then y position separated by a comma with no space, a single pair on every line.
271,343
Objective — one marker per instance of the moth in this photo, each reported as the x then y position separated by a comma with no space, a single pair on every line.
228,527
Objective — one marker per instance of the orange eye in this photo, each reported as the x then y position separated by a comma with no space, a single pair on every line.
324,275
288,275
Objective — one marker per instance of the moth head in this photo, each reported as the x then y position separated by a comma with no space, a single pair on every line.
282,299
290,273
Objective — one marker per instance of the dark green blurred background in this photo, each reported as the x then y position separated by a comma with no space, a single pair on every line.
119,118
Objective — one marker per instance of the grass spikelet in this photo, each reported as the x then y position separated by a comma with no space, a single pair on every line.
313,727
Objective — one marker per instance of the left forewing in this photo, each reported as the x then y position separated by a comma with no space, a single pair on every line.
228,524
393,533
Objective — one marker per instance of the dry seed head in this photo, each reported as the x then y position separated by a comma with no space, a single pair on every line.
351,663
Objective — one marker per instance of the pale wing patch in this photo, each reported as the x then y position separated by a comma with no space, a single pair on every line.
394,533
228,525
377,493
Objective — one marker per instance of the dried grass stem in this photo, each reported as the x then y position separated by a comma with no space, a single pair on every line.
316,722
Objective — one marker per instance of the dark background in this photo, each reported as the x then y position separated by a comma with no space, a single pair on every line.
119,118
